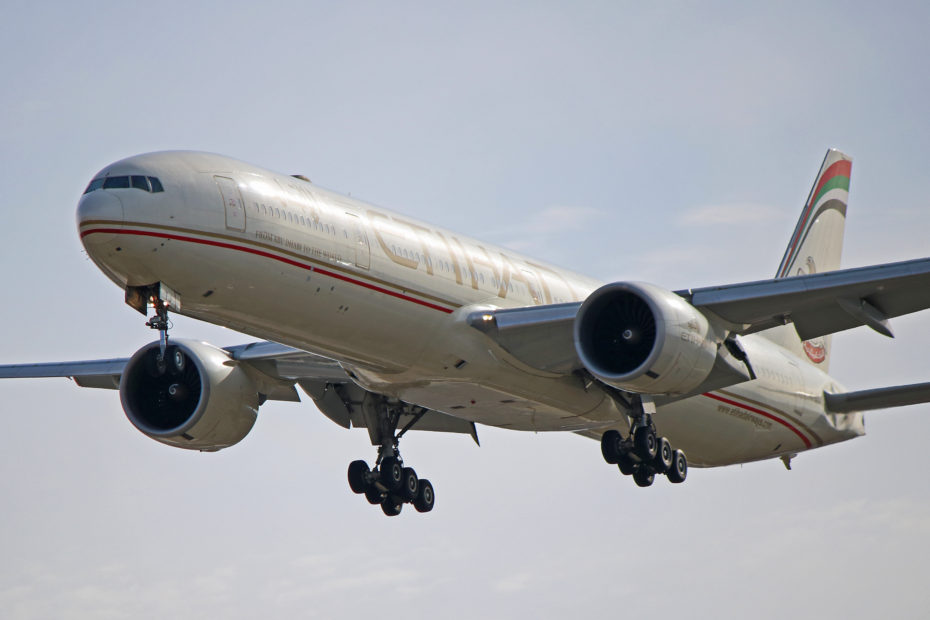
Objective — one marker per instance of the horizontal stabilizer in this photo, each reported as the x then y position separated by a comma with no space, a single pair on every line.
879,398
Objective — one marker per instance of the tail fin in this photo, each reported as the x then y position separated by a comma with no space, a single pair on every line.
816,245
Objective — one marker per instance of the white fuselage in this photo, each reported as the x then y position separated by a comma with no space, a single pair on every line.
279,258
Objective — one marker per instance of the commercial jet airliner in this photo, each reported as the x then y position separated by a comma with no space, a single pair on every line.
394,325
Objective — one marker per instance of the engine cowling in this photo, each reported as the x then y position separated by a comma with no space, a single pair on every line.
641,338
198,399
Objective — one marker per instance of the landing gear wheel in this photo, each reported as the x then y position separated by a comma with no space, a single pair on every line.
425,497
392,473
411,484
392,505
612,447
178,361
626,466
663,460
679,469
373,495
643,476
645,443
358,476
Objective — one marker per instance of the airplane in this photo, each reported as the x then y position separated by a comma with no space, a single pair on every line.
393,325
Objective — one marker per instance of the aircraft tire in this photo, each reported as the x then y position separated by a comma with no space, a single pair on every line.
411,484
679,469
663,461
358,471
612,447
392,505
626,465
373,495
643,476
392,474
645,444
426,498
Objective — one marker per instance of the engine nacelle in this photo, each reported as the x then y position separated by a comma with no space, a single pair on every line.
198,399
641,338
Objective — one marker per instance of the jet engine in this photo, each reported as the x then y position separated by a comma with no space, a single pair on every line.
197,397
641,338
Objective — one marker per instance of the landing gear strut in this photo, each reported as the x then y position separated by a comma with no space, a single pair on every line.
643,454
162,299
389,483
161,323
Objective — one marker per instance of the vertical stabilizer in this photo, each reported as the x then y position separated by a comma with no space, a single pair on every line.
816,245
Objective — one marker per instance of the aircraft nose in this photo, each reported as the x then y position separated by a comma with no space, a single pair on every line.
99,217
99,207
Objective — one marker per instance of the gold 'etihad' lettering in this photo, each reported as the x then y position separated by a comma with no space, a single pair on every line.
455,260
515,273
419,232
543,271
397,258
468,263
487,262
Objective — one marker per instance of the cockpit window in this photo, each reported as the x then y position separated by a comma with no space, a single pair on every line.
136,181
95,184
115,182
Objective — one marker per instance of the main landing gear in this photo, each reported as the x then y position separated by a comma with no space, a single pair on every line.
389,483
643,454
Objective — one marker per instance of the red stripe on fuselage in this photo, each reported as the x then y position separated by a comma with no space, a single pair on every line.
232,246
762,413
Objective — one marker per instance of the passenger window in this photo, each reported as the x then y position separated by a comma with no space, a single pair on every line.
156,185
139,182
94,185
115,182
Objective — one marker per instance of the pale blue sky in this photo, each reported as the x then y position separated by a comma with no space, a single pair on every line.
672,144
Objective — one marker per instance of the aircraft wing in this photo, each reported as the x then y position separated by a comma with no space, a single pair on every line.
822,303
275,360
323,379
818,304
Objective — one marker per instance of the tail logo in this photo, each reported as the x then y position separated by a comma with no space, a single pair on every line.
815,348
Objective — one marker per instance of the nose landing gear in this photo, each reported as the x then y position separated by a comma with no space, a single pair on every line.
389,483
162,299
